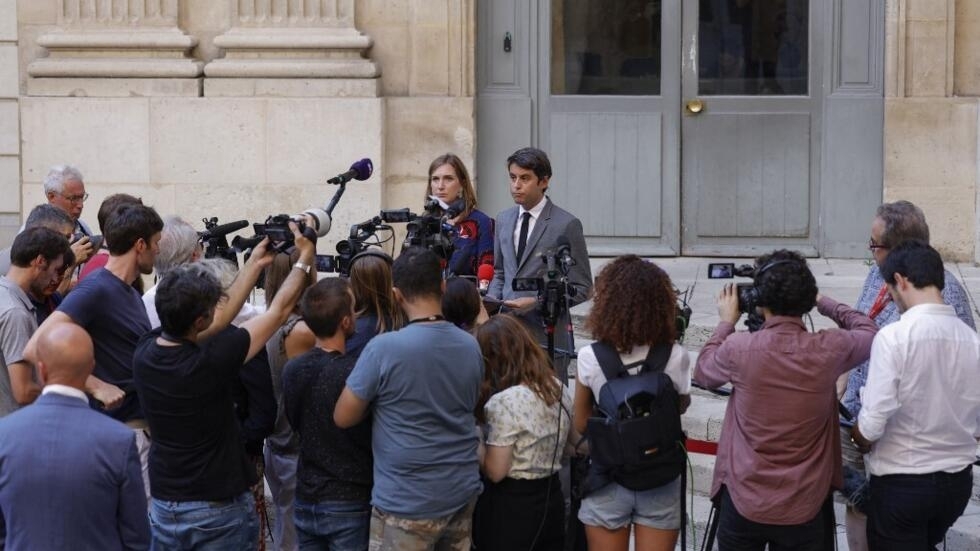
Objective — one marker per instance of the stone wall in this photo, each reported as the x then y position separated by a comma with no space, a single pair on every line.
243,109
932,75
9,123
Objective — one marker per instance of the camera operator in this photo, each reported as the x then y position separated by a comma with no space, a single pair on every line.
199,474
779,450
527,231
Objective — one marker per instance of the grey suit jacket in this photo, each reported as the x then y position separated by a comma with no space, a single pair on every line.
552,223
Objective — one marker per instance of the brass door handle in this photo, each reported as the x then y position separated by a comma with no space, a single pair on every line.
694,106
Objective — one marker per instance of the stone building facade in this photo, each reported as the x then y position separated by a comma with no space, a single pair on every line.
243,108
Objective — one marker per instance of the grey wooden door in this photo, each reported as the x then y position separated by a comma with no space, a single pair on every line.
595,83
752,92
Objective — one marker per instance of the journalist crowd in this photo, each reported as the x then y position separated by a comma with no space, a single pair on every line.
422,401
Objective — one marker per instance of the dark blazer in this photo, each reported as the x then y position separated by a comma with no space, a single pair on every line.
70,479
552,223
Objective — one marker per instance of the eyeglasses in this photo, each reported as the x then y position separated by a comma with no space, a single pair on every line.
872,246
76,198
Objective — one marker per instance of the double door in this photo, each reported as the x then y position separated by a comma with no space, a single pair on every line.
674,127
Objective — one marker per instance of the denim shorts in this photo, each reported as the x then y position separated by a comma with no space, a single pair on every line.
613,507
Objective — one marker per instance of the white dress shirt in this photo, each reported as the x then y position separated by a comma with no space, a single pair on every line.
535,213
65,391
921,404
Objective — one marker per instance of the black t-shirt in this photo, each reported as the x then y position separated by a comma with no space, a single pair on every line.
196,452
334,464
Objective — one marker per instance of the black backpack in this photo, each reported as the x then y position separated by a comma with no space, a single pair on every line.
635,435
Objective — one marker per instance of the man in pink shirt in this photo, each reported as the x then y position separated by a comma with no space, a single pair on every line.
779,450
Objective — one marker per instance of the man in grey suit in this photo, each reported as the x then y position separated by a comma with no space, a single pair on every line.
71,476
527,234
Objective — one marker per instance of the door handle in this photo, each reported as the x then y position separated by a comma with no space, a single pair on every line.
507,41
695,106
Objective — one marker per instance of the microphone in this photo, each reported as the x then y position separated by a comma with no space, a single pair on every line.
361,170
484,273
454,208
564,252
222,230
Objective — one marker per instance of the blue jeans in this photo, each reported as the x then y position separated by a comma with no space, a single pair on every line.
332,525
204,525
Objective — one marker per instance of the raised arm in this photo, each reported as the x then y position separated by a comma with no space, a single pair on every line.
240,289
261,327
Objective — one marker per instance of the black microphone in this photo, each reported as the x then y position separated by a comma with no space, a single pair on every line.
361,170
456,207
564,252
222,230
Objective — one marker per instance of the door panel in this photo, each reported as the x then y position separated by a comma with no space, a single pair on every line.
610,123
754,171
615,159
750,149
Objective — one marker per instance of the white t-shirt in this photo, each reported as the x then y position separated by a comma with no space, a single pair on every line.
678,367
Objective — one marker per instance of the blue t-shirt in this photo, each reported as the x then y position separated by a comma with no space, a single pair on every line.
423,382
112,312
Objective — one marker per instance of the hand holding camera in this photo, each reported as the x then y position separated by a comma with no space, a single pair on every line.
83,249
728,304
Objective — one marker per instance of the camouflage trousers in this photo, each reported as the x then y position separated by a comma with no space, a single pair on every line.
449,533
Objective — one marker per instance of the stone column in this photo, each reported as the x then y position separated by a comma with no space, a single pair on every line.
292,48
116,47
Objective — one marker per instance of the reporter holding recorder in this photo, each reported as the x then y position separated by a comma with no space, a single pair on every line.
184,372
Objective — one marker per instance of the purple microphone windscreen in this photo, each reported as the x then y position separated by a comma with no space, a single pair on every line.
363,168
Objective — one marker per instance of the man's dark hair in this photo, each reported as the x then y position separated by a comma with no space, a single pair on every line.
917,262
49,216
416,273
531,158
128,224
186,293
903,221
113,202
785,283
325,304
32,242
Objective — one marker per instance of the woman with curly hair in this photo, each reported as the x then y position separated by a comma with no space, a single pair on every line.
526,411
634,309
473,243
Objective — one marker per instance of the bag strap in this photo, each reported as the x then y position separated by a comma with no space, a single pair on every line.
657,358
609,361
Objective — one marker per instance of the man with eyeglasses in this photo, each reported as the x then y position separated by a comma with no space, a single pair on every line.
65,189
894,223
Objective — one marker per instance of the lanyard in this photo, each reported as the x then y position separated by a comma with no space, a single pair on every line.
880,302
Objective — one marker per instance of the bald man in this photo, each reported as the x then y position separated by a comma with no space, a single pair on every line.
71,475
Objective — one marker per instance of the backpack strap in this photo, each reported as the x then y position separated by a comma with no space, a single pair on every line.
609,361
657,358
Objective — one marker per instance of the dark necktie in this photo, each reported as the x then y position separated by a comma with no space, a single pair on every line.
522,240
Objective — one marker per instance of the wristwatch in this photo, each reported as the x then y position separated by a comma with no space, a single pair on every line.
302,266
